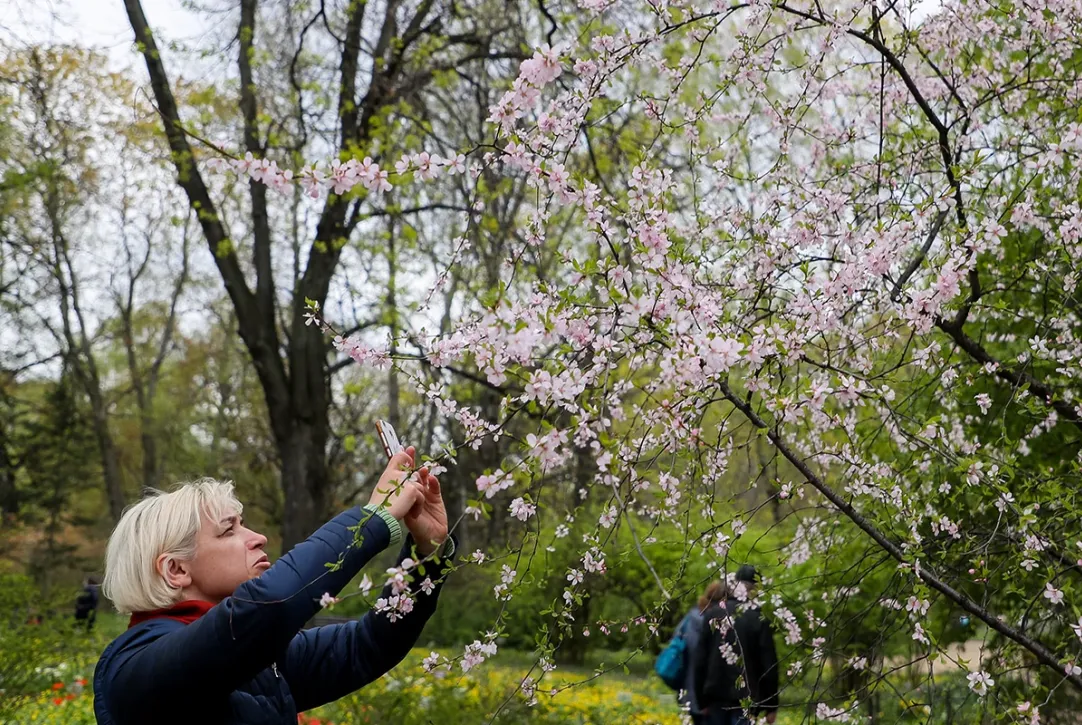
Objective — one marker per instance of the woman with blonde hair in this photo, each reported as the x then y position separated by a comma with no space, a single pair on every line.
216,629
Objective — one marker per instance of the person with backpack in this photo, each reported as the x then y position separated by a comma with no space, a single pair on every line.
676,665
735,658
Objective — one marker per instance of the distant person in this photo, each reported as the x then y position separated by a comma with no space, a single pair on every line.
736,641
86,604
691,630
216,630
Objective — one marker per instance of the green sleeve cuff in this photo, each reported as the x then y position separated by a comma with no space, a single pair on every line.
392,523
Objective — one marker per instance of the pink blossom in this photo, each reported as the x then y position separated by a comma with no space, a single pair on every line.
980,682
522,510
543,67
1052,594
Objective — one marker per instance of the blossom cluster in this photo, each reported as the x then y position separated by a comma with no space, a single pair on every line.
340,177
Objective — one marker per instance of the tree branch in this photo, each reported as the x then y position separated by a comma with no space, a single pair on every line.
170,322
261,232
326,249
1016,378
914,265
942,132
259,341
1038,650
552,21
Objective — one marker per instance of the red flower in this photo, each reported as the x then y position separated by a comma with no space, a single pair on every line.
58,685
80,682
58,701
71,696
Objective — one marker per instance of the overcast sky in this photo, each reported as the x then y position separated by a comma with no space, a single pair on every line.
101,24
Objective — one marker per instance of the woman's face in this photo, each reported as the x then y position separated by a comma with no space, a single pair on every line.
227,554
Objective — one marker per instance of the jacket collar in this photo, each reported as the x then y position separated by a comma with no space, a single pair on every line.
187,612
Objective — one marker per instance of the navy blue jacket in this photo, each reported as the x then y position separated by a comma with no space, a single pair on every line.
248,660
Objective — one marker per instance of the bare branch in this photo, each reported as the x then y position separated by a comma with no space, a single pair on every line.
915,263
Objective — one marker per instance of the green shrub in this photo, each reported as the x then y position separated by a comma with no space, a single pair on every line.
44,656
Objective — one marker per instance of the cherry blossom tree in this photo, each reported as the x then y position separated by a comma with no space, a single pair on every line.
846,236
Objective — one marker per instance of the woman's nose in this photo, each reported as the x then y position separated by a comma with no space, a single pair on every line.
258,541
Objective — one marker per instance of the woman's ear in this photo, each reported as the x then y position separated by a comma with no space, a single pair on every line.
176,572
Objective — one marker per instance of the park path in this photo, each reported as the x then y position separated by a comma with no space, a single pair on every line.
970,651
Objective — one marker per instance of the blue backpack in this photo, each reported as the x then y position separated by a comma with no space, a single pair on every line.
671,665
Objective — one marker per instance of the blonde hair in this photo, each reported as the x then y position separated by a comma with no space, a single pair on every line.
161,523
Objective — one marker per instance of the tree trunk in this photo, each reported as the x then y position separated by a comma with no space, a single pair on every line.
304,483
9,495
146,423
110,461
81,358
150,454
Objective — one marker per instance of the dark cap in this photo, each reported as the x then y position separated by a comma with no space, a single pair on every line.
747,573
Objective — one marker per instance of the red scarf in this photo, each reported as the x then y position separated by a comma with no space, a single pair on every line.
187,612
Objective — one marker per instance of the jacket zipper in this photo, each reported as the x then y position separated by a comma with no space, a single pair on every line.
274,666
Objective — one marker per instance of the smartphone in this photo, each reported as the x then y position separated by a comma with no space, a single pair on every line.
388,438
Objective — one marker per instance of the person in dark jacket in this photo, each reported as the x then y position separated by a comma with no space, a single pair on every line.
86,604
691,629
216,630
736,659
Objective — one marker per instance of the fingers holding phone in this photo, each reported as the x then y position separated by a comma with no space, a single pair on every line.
396,491
426,516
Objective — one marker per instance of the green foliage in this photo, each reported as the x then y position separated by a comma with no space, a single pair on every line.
43,653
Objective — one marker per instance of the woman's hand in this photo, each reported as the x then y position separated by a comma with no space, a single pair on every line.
395,491
427,520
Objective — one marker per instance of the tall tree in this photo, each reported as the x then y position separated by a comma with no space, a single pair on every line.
56,133
84,170
386,55
59,441
145,365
